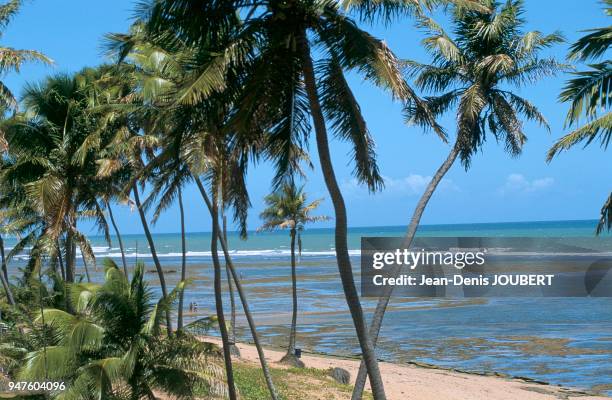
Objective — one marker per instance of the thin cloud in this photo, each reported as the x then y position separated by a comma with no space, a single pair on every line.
517,183
411,185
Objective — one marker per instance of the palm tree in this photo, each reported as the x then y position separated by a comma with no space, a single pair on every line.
112,97
474,72
192,138
111,346
270,43
287,209
12,59
589,98
58,178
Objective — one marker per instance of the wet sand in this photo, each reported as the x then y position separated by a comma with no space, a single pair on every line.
422,382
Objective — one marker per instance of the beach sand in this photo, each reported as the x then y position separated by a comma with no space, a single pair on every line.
414,382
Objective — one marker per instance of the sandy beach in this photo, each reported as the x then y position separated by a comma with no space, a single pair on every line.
414,382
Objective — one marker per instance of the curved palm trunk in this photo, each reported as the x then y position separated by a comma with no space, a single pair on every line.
179,321
342,254
383,301
7,290
290,356
60,260
158,267
118,234
227,356
242,296
230,286
85,267
3,267
4,276
70,247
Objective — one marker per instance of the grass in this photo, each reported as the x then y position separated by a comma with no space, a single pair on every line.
291,384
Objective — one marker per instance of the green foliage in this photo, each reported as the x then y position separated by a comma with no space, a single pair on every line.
589,96
111,345
287,208
475,69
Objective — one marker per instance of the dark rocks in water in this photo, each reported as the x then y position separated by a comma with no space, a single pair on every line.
340,375
166,271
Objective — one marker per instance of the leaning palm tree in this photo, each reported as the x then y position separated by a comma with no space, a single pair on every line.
192,134
272,41
589,97
287,208
475,71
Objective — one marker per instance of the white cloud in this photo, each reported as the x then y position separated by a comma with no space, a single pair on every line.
411,185
517,183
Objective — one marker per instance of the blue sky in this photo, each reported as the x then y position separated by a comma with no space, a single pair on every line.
496,188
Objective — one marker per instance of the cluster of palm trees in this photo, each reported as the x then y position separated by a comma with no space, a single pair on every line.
197,92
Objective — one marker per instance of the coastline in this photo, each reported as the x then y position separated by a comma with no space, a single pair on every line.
417,381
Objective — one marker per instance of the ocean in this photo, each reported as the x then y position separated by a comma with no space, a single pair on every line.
563,341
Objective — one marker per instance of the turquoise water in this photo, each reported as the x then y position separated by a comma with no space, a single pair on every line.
565,341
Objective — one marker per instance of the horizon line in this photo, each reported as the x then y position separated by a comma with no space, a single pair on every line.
594,220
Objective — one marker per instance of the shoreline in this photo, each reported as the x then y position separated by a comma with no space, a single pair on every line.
421,381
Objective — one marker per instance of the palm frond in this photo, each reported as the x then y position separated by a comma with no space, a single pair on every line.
344,115
599,128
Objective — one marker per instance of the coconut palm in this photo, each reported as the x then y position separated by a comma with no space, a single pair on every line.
12,60
281,85
58,179
112,346
474,73
192,136
119,160
287,208
589,98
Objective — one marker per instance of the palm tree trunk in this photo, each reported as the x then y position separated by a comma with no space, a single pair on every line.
227,355
118,234
70,247
232,335
4,276
158,267
3,267
383,301
245,305
179,321
290,356
60,260
85,266
342,254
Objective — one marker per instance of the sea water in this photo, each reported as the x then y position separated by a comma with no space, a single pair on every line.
565,341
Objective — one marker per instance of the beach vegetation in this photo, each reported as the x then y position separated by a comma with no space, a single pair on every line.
288,208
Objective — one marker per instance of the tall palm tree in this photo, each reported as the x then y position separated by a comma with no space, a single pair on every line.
474,73
589,96
12,60
287,208
46,159
111,346
119,160
272,40
192,137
